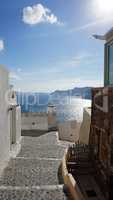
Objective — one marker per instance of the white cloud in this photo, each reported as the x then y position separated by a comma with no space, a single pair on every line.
14,76
1,45
81,59
90,25
19,70
90,83
39,14
101,13
47,85
56,84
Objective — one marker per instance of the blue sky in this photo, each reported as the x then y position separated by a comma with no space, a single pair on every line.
48,44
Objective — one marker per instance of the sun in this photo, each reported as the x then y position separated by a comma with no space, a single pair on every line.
104,8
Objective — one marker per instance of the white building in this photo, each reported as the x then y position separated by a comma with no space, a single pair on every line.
10,120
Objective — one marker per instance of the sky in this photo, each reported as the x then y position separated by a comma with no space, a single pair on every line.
48,45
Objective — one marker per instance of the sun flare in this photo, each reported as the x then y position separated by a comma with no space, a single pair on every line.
104,8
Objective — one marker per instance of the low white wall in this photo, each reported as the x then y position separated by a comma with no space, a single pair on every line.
18,123
52,120
34,121
85,126
15,125
69,131
4,119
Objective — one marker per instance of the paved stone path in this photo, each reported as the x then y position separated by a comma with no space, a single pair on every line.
35,173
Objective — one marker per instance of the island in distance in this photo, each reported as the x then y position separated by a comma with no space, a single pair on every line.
84,92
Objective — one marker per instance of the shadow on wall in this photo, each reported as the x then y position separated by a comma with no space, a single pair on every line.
69,131
74,131
33,133
85,126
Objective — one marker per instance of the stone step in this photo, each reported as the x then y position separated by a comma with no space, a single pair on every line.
47,138
50,138
31,172
33,193
42,151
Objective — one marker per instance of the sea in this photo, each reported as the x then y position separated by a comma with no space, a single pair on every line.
67,107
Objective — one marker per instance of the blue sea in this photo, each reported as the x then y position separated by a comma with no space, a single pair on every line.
67,107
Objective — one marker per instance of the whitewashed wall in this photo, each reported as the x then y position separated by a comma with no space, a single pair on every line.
15,124
52,120
18,123
34,121
6,127
85,126
4,119
69,131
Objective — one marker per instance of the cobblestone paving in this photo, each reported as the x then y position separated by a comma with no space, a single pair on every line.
31,172
47,151
33,194
35,173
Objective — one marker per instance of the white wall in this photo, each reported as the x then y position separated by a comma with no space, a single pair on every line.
52,120
18,123
74,131
52,117
15,124
69,131
34,121
4,119
85,126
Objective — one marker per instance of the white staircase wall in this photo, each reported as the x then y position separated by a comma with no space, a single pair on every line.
4,119
18,123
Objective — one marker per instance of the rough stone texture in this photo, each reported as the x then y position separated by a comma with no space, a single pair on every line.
44,146
35,174
33,194
42,139
101,137
31,172
45,151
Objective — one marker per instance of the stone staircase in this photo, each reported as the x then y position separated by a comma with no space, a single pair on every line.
35,173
